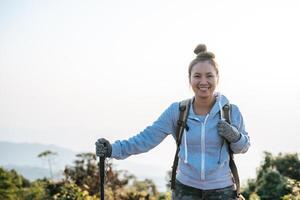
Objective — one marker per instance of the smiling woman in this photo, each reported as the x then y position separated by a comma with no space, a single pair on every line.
203,169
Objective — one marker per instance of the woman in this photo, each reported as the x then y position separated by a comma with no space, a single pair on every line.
203,169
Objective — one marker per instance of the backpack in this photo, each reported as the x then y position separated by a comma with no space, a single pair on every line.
181,125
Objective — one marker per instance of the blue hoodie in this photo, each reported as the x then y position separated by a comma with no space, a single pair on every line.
203,156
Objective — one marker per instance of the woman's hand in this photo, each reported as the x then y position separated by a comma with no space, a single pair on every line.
230,133
103,148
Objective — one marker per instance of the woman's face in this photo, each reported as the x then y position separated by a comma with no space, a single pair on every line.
204,79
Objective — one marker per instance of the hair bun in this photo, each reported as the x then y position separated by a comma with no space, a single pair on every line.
200,48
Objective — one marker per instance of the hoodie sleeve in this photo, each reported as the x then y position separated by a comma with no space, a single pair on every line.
150,137
243,144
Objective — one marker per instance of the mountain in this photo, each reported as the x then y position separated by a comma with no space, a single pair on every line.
33,173
23,157
26,154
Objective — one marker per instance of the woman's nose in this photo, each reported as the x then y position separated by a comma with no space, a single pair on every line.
203,80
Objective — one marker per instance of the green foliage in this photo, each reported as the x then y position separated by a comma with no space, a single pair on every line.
37,190
11,184
46,153
277,178
272,185
165,196
123,185
85,172
81,182
295,188
118,184
288,165
68,191
250,188
139,190
254,196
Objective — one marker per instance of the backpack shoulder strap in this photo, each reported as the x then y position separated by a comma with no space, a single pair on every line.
227,112
181,122
184,107
233,168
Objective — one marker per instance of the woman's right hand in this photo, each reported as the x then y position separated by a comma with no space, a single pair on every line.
103,148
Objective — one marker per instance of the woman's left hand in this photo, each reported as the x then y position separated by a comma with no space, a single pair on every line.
230,133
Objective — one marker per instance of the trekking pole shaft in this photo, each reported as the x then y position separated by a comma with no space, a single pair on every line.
101,171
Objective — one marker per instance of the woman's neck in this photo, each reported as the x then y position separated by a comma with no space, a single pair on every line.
203,106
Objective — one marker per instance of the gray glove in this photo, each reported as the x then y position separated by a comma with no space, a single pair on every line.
103,148
230,133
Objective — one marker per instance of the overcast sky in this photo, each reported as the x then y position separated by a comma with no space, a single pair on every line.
74,71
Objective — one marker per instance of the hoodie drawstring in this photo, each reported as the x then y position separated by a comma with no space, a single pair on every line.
223,119
185,147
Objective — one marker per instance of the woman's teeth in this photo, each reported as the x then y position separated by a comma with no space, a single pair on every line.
203,88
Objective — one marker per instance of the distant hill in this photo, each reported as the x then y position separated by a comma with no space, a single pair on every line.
33,173
26,154
23,158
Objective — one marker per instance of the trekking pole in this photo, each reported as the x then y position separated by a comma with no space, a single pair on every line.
101,173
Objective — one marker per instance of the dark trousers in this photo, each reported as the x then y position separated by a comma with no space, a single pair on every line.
184,192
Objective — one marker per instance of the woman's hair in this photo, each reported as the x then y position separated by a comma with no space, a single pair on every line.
203,55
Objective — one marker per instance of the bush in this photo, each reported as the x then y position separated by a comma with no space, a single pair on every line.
277,178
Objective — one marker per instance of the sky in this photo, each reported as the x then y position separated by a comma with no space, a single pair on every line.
74,71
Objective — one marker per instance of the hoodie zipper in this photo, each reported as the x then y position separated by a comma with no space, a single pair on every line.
202,175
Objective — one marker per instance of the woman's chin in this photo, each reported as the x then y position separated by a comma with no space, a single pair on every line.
204,96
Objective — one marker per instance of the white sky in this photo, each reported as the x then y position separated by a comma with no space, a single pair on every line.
74,71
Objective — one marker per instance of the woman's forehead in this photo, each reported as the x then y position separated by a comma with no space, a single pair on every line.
203,67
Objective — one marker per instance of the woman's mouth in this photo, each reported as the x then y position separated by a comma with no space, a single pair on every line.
203,89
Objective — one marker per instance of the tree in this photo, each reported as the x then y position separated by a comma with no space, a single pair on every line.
288,165
272,186
49,156
85,172
274,178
